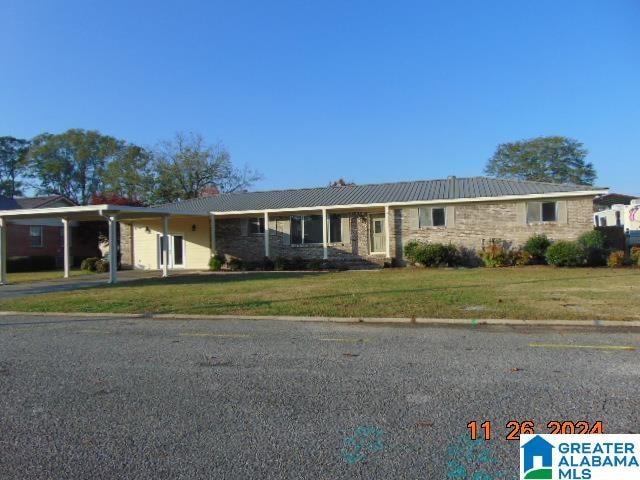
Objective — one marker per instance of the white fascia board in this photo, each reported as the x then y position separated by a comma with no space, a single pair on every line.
504,198
60,212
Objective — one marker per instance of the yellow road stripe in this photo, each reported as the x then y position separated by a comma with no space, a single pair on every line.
348,340
225,335
596,347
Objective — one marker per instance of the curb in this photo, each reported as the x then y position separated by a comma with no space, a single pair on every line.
368,320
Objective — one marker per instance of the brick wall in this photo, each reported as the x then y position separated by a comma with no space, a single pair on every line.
354,250
477,223
472,225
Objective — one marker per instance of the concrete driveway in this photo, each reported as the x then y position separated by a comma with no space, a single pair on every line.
75,283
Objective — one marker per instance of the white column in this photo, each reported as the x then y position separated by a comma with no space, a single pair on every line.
325,250
266,234
387,231
113,250
165,247
3,251
66,253
213,234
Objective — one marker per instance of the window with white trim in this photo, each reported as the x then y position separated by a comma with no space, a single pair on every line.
306,229
256,225
35,235
542,212
432,217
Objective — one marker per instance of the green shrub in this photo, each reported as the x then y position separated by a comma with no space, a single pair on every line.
215,263
566,254
102,266
89,264
536,246
616,259
522,258
496,255
297,263
281,263
35,263
314,264
432,254
635,255
594,245
267,264
235,264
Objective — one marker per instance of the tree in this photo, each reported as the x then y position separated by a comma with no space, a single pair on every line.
13,155
129,175
72,163
544,159
187,165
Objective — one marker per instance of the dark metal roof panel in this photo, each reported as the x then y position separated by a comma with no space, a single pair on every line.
423,190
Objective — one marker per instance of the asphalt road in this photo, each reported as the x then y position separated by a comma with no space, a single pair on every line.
177,399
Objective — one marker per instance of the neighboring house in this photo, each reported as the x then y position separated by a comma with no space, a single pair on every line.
359,225
608,200
621,223
40,236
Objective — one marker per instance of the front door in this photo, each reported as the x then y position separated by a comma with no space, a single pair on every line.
378,240
176,251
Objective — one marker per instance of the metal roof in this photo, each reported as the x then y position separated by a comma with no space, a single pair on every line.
400,192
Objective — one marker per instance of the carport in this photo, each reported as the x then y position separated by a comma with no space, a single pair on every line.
112,214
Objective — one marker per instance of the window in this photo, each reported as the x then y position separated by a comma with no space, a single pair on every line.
432,217
541,212
306,229
335,228
35,235
549,212
437,215
603,222
256,225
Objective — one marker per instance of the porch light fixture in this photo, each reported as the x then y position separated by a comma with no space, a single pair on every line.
193,227
147,229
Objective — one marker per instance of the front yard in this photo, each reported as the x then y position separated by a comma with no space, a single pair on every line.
523,293
26,277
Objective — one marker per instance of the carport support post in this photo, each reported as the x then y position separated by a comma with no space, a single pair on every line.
113,250
387,228
213,234
325,250
165,247
266,234
3,251
65,234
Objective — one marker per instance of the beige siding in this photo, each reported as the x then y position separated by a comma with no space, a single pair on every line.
197,244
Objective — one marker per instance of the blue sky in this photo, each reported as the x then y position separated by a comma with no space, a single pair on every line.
309,91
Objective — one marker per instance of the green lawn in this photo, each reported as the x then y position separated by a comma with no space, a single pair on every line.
24,277
530,292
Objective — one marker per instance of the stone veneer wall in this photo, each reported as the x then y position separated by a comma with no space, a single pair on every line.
476,224
126,245
473,225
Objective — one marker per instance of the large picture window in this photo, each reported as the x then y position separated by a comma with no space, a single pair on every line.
335,228
306,229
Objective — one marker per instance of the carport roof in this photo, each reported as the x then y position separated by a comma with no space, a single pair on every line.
376,194
87,212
